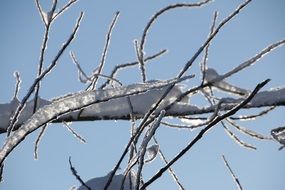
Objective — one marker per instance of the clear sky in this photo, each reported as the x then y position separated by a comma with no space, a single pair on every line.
180,31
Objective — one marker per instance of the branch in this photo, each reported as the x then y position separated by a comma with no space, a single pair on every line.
108,39
232,173
73,103
123,66
74,172
119,109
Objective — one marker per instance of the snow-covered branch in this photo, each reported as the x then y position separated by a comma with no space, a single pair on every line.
75,102
118,108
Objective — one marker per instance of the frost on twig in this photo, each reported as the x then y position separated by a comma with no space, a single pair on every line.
74,133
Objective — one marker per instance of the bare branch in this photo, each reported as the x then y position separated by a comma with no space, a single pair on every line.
236,180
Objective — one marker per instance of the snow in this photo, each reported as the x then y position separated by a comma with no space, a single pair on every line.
141,103
211,74
279,135
98,183
151,153
271,97
7,111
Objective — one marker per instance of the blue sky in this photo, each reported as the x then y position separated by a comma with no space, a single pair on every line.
181,32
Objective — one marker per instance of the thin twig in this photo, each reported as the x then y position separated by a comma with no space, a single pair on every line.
44,73
122,66
1,172
254,59
76,135
203,131
141,63
180,186
155,17
107,43
81,72
38,140
236,180
74,172
179,126
64,8
40,11
236,139
47,19
203,65
74,60
248,131
254,116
